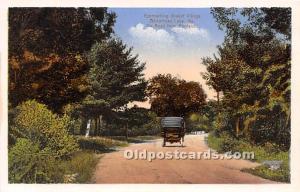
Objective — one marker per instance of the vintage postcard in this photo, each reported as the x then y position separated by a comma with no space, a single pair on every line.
148,95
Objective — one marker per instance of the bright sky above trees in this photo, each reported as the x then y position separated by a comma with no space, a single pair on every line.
176,50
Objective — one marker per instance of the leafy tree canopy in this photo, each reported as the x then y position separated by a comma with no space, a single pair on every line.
47,49
115,78
170,96
252,70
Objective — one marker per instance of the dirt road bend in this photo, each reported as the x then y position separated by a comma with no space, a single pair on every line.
115,168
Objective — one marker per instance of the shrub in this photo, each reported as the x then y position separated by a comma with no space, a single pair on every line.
40,125
73,111
221,122
23,153
223,143
152,127
198,122
28,164
39,141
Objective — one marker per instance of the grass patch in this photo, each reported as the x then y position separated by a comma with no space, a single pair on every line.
226,143
214,143
148,137
99,144
80,167
281,175
137,139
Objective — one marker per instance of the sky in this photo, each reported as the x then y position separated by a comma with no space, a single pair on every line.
170,40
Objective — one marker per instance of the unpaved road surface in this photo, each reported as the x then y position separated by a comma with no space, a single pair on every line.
115,168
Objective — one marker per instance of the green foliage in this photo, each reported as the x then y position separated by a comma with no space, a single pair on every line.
140,121
115,77
76,122
225,142
41,126
136,139
252,71
28,164
198,122
281,175
152,127
39,140
132,122
222,122
43,168
99,144
82,165
23,153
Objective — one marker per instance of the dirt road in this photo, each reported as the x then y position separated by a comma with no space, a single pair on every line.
115,168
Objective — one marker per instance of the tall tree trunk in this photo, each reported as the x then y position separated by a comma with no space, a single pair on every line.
218,102
96,127
83,126
237,127
100,124
88,128
110,131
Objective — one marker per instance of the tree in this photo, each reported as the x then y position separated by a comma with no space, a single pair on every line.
47,49
115,78
252,70
133,119
172,96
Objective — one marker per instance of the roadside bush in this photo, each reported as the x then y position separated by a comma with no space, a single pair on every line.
28,164
223,143
23,153
153,125
73,111
38,142
40,125
148,123
140,122
198,122
221,123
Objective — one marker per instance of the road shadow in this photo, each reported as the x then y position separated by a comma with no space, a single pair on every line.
175,146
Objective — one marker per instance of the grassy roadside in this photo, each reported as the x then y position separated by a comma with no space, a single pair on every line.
79,168
137,139
226,143
100,144
82,164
